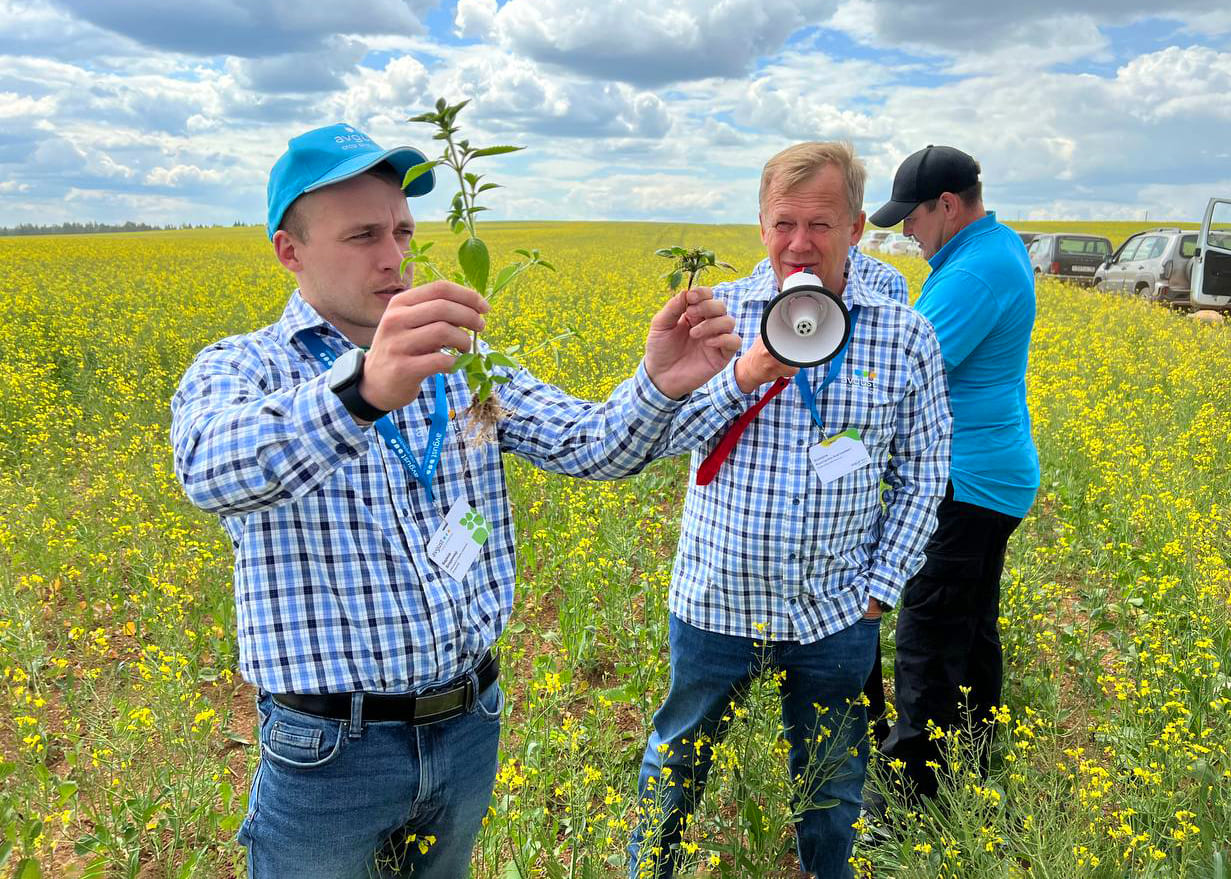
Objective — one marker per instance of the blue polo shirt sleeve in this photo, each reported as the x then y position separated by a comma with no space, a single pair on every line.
962,309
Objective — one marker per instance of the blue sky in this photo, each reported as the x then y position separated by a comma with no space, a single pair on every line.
116,110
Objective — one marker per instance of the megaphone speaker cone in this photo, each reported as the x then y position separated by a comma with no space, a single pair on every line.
805,325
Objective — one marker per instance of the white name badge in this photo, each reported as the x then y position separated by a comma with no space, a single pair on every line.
457,543
839,455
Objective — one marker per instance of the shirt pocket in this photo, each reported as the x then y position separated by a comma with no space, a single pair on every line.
870,409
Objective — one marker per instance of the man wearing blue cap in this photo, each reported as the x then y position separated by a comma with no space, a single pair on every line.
374,553
980,300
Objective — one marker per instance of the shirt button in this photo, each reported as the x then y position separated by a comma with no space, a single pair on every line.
430,577
795,501
341,448
792,556
799,442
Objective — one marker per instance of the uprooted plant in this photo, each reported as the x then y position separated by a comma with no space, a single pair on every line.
480,364
688,262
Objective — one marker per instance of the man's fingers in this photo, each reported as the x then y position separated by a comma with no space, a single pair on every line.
426,339
670,314
698,294
728,343
443,290
445,310
706,309
713,327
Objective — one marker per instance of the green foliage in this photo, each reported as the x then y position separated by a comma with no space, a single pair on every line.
472,254
688,262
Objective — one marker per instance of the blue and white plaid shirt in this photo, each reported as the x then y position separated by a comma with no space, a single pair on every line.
334,590
876,276
766,543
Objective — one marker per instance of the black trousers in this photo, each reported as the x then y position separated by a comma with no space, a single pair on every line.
947,638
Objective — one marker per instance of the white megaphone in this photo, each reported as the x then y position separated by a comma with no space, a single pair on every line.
806,324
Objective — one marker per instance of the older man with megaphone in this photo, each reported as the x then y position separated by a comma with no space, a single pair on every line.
787,553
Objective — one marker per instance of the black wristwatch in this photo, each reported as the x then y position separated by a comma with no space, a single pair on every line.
344,378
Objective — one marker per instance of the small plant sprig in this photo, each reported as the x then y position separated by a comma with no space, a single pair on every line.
690,262
480,367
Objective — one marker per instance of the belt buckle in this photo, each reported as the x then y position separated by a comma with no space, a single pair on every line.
471,695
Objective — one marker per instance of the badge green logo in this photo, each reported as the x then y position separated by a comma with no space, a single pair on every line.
477,526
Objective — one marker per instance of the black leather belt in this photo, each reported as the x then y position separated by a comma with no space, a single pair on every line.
451,700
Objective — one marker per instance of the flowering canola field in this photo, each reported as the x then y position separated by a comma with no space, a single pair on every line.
127,740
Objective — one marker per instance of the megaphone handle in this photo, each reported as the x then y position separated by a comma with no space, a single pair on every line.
709,467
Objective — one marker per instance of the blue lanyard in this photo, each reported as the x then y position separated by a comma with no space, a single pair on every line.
804,383
388,430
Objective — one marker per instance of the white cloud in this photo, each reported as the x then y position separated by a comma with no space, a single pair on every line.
651,43
13,105
181,175
474,18
106,103
1178,84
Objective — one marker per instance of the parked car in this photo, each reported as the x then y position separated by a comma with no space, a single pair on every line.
1156,264
1211,264
901,245
874,240
1027,237
1068,257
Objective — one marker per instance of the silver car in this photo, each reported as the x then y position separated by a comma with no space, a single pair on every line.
1155,264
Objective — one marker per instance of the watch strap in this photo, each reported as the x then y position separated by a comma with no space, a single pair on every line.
357,406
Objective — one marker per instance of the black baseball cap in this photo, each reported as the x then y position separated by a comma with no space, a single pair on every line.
924,176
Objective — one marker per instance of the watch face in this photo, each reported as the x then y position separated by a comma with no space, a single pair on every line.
346,370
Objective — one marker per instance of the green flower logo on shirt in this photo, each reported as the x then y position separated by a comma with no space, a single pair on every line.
477,526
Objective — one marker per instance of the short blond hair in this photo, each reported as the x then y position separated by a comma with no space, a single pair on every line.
798,164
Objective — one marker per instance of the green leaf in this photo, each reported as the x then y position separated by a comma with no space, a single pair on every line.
473,258
28,868
756,822
664,251
6,851
423,117
66,792
545,264
487,186
463,361
458,226
87,844
33,830
501,379
414,172
494,151
485,390
472,178
499,358
675,279
503,277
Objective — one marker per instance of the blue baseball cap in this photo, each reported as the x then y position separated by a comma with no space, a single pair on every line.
330,155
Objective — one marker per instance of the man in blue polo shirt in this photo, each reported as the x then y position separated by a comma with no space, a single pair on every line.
980,300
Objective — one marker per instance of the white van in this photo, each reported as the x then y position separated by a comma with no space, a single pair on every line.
1211,266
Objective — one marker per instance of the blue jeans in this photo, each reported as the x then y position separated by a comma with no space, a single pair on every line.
329,802
708,672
